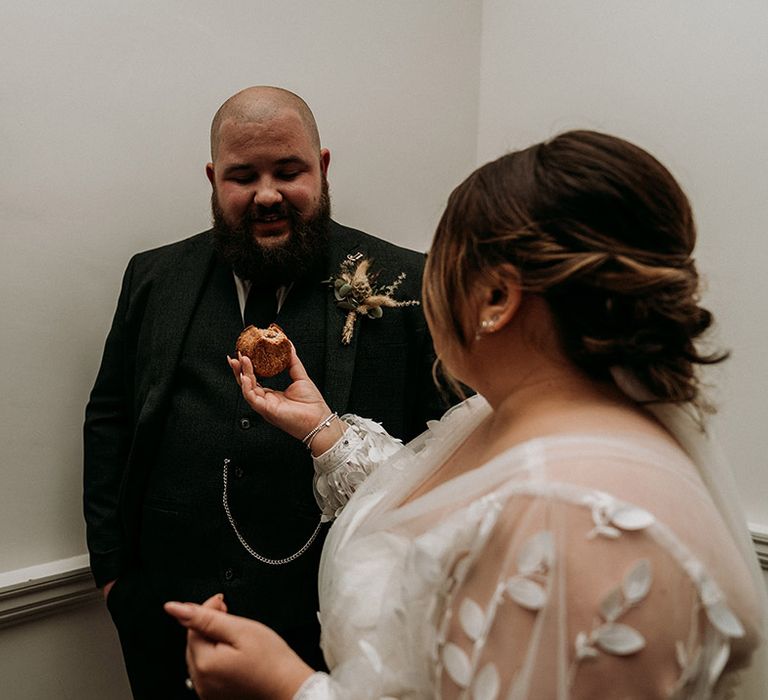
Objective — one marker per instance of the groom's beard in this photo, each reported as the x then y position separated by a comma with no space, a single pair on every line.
304,249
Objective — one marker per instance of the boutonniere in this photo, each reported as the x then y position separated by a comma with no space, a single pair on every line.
357,293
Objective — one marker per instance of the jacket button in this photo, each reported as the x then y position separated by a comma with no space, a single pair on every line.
245,423
229,574
239,472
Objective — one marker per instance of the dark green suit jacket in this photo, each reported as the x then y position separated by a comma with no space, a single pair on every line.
384,374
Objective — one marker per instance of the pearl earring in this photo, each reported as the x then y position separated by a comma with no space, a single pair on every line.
486,326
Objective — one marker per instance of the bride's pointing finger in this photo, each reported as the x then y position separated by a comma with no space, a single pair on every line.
235,367
246,369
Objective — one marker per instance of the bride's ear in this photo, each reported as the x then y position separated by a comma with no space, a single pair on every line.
499,295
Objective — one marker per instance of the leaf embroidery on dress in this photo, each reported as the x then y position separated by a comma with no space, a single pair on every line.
706,655
701,669
445,594
536,554
526,593
719,659
584,649
484,513
487,684
610,636
472,619
534,560
720,615
457,665
637,582
610,519
618,639
527,588
631,518
689,665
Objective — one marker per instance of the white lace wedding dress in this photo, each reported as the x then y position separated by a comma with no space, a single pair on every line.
573,566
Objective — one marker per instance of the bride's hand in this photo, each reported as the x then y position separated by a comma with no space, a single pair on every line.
232,658
297,410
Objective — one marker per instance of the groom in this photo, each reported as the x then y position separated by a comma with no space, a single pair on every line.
169,440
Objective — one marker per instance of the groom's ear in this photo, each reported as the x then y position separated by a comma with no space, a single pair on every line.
325,161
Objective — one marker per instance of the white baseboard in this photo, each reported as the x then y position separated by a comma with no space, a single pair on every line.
48,588
45,589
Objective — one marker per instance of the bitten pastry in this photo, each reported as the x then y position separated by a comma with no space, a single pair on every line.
268,349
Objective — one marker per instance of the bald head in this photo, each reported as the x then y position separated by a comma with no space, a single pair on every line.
261,104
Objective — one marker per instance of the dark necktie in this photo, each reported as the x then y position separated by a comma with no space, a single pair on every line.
260,307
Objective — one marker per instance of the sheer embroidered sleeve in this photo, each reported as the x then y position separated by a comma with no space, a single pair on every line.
566,567
340,470
583,597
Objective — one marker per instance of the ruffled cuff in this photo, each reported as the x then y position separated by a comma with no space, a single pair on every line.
316,687
343,467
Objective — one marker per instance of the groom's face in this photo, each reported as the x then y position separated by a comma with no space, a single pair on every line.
270,199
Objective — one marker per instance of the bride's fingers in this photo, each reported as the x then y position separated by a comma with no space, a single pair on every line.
235,367
252,391
246,369
296,369
216,602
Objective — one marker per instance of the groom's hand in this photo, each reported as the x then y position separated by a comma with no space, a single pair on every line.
107,588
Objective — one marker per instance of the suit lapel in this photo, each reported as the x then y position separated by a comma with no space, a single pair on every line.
178,293
339,358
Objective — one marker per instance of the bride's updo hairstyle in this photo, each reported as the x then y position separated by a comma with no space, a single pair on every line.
602,231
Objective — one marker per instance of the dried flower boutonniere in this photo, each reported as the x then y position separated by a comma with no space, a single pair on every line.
358,294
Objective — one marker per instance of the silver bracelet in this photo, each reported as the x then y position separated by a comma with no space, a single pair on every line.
307,441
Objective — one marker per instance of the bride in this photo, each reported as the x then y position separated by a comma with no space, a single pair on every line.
567,532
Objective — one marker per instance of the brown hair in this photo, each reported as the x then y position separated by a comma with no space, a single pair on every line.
603,232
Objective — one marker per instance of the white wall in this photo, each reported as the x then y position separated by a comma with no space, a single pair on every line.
70,656
104,124
105,116
687,80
